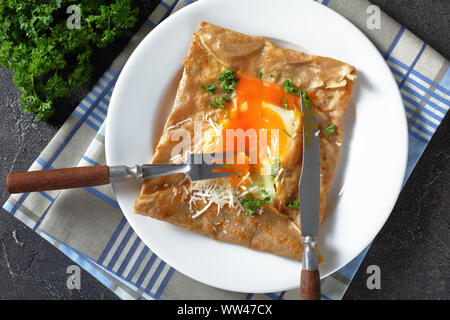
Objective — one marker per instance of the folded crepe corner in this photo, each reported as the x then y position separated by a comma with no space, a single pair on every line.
275,228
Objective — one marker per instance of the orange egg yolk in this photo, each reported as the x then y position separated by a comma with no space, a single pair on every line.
250,111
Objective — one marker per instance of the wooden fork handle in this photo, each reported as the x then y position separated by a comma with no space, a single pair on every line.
19,182
310,285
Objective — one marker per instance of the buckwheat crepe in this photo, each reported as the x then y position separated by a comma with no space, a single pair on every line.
275,228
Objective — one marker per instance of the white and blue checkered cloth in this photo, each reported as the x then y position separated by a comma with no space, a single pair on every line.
88,226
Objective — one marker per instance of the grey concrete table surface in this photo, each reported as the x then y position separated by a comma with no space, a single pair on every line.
412,249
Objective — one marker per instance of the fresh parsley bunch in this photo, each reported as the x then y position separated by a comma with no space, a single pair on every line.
48,58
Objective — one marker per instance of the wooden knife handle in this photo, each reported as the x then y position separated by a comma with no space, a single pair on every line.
310,285
29,181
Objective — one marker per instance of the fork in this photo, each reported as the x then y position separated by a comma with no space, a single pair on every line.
196,169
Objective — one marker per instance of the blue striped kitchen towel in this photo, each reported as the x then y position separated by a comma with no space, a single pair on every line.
88,226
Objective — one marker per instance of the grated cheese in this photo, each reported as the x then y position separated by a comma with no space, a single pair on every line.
217,129
176,125
214,191
183,181
178,156
245,177
199,213
280,171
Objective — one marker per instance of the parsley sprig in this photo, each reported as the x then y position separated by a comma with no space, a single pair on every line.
48,58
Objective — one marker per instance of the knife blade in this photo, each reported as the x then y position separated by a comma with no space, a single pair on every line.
309,186
309,196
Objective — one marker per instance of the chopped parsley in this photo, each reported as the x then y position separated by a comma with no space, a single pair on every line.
330,129
271,75
228,80
275,168
306,100
286,132
218,103
294,204
329,97
209,87
251,204
290,89
285,104
260,74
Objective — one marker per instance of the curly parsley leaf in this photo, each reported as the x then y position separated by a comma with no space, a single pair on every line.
48,58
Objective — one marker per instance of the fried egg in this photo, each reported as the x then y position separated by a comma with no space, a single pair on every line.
265,119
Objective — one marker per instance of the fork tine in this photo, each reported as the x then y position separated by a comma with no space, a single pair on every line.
209,158
206,171
209,175
221,174
222,155
215,166
218,171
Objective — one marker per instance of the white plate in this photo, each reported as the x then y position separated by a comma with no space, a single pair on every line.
371,166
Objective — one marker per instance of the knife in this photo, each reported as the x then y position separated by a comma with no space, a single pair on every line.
309,194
